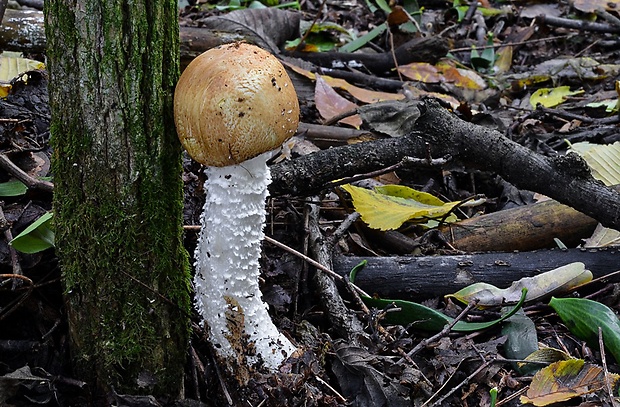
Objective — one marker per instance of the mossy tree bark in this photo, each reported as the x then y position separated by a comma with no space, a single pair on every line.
118,191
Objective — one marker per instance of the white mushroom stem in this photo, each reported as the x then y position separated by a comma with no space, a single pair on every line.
227,265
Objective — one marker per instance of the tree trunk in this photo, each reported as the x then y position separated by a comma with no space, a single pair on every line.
118,192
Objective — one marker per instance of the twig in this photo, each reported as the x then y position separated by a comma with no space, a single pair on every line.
601,278
345,322
446,329
314,263
511,397
610,18
309,30
344,226
222,384
468,49
608,379
18,173
406,162
461,384
5,227
339,116
580,25
338,395
14,305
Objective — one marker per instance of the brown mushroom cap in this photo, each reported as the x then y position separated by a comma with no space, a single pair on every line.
233,103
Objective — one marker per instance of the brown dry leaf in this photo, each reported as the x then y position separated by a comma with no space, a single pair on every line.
398,16
329,103
564,380
591,6
462,78
361,94
416,94
422,72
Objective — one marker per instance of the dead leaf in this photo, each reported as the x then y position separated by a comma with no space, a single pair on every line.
383,210
267,27
361,382
329,103
565,380
422,72
561,279
361,94
591,6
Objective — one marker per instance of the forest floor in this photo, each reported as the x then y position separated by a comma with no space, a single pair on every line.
545,76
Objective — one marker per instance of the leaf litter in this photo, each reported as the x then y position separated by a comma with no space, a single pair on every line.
388,364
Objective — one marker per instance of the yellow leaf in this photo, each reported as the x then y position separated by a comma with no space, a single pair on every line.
11,66
385,212
565,380
550,97
604,160
409,193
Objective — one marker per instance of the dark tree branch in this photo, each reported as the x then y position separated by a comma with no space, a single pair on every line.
564,178
418,278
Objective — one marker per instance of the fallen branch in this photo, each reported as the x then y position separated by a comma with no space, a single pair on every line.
417,278
435,131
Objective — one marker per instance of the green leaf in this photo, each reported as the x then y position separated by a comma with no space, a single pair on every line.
486,59
384,6
428,319
13,188
36,237
521,340
584,317
424,318
364,39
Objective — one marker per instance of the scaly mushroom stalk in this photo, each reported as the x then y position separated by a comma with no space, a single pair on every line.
234,104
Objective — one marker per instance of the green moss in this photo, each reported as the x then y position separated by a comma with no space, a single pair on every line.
118,191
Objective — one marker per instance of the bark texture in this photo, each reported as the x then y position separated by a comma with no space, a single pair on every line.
419,278
118,191
420,129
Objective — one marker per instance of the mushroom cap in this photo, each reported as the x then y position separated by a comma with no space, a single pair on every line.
233,103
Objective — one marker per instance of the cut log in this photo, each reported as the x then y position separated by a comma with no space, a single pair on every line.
419,278
525,228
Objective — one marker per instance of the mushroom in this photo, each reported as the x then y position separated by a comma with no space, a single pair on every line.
233,105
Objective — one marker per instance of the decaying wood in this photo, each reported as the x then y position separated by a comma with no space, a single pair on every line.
439,133
22,30
528,227
344,322
417,278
